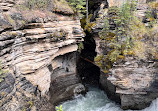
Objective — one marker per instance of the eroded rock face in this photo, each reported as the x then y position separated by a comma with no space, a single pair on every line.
39,48
33,53
131,82
135,82
34,49
64,79
19,94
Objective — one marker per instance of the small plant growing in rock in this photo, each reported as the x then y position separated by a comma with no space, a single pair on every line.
80,47
59,108
152,15
11,21
60,34
3,94
125,34
116,38
30,103
2,73
86,24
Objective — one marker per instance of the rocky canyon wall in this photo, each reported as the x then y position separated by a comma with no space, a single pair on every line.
131,82
38,48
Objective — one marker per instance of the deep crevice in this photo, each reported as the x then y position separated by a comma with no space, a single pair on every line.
90,73
86,69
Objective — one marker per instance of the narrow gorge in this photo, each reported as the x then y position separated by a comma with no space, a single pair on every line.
51,55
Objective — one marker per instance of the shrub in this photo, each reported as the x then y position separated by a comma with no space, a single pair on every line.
153,5
87,25
152,14
2,73
118,40
78,6
59,108
80,47
128,37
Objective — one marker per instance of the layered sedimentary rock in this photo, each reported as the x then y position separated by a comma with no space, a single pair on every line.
131,82
64,79
17,94
38,47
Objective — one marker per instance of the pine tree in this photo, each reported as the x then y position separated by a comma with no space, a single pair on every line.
78,6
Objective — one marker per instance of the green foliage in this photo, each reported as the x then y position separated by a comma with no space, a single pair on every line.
80,47
23,109
118,40
98,58
60,33
78,6
114,55
10,20
153,6
30,103
87,25
129,37
59,108
2,73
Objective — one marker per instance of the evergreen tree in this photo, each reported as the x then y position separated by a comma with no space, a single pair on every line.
79,6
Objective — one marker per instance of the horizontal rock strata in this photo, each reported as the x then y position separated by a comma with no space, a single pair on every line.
38,47
131,82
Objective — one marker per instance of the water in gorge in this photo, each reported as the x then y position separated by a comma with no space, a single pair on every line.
97,100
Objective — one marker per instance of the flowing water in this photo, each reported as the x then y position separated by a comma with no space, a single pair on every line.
96,100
